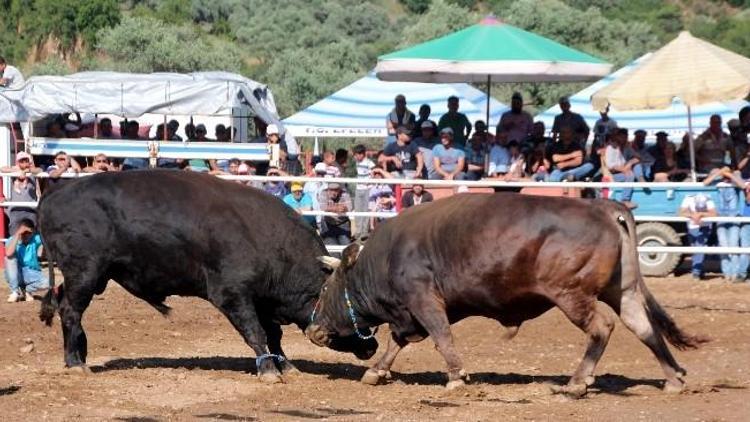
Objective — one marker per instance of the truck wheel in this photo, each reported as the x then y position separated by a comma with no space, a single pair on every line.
657,234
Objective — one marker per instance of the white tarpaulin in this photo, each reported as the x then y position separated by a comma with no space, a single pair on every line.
132,95
11,109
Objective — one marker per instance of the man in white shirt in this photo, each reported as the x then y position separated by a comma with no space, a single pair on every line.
696,207
12,77
361,194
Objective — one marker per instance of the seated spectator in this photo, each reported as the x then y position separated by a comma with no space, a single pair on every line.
567,158
363,166
426,143
621,170
24,164
190,132
402,158
172,127
55,130
727,233
24,188
517,167
499,156
383,202
335,230
222,133
657,150
537,164
417,195
292,163
132,130
72,127
696,207
277,189
667,166
537,137
475,156
299,201
105,131
480,132
101,164
713,148
424,116
22,269
448,161
639,150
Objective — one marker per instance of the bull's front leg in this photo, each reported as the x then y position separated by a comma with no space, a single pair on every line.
382,369
273,337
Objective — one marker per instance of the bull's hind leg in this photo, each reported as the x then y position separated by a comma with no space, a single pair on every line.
597,322
634,315
75,299
240,311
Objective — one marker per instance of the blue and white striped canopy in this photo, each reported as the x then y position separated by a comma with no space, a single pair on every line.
360,109
673,120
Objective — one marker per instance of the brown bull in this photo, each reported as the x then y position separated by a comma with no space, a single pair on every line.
504,256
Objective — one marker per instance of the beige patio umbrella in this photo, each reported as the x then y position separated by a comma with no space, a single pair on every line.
688,68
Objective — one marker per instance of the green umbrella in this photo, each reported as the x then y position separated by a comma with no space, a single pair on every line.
490,51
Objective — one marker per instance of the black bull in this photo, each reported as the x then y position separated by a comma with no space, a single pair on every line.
504,256
161,233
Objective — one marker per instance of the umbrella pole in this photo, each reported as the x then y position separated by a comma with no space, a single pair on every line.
489,91
692,145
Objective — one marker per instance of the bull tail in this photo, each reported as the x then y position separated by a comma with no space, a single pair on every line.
656,313
50,300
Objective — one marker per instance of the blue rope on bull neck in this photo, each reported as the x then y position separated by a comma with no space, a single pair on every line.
265,356
354,318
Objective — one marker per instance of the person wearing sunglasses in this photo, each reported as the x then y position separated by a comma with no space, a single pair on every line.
101,164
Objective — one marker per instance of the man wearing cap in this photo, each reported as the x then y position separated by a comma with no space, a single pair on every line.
572,120
458,122
24,188
696,207
603,127
11,76
516,122
335,230
398,116
403,156
426,143
448,160
299,201
657,150
567,157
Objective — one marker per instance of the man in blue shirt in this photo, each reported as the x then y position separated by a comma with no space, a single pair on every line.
22,269
448,160
299,201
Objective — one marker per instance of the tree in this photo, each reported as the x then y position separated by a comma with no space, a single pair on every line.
440,19
149,45
416,6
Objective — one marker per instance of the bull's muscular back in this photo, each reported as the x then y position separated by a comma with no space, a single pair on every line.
502,255
171,232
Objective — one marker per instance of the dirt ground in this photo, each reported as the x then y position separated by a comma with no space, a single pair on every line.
194,366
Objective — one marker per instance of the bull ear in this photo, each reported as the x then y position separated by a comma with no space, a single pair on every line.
330,262
350,255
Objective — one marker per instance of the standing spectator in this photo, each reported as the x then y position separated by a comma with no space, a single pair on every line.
299,201
713,148
448,160
567,158
11,76
314,189
621,170
105,130
62,165
172,127
335,230
499,156
639,150
739,144
416,196
363,166
744,260
332,169
190,132
727,233
538,137
22,270
24,188
516,122
398,117
458,122
426,143
293,164
696,207
667,166
424,116
574,121
602,128
378,189
342,160
132,133
272,139
403,156
475,156
384,202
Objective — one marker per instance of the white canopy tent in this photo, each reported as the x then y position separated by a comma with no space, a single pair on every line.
359,110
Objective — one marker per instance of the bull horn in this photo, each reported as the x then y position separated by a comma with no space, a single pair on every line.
330,261
316,335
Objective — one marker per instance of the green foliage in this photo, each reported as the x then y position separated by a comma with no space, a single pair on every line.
149,45
440,19
52,66
416,6
730,33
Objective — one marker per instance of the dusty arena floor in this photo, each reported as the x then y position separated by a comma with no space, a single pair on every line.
194,366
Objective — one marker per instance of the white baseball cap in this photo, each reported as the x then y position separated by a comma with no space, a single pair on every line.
272,129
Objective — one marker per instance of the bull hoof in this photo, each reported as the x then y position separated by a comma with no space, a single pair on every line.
574,391
590,380
464,375
674,387
289,369
455,384
269,378
371,377
78,369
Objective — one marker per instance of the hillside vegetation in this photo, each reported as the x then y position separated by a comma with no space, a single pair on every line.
307,49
